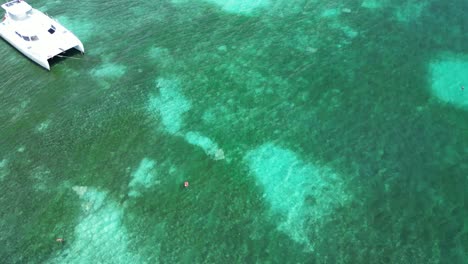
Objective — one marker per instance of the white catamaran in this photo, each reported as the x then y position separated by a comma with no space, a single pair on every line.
35,34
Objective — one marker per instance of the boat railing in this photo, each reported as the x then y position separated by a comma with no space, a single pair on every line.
11,3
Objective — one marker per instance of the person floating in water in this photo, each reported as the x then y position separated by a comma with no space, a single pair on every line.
186,184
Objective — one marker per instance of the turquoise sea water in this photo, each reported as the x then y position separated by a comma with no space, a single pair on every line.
309,132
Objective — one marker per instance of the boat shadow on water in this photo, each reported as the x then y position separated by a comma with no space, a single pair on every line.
71,54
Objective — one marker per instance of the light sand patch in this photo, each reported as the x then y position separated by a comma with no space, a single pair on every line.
449,79
162,57
42,178
80,190
243,7
109,70
410,11
329,13
210,147
100,236
348,31
143,177
333,15
170,104
373,4
107,73
43,126
3,169
158,53
19,110
297,190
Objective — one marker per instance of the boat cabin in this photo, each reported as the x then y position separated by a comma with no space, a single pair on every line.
17,9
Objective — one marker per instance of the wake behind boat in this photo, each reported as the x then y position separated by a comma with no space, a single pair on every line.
35,34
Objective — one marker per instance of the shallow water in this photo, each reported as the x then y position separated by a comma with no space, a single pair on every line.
309,132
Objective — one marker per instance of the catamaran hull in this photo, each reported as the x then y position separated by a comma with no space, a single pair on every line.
41,61
36,35
36,58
